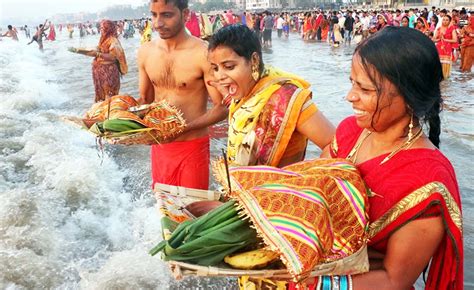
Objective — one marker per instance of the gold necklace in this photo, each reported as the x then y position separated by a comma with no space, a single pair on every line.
352,156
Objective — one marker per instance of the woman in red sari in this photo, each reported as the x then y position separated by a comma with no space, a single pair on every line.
324,29
52,32
415,208
446,38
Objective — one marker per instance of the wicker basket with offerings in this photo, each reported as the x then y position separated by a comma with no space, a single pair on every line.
119,120
306,219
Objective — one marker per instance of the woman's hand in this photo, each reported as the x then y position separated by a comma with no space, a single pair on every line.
225,91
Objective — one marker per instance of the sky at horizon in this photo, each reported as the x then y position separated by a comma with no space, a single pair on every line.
24,11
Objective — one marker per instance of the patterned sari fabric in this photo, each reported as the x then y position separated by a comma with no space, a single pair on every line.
311,212
105,73
413,184
262,125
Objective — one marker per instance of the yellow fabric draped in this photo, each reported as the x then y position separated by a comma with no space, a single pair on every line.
146,36
244,114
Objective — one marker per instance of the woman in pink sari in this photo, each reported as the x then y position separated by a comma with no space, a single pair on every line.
445,38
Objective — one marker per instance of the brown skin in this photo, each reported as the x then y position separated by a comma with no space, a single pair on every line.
411,247
233,75
404,22
175,68
11,33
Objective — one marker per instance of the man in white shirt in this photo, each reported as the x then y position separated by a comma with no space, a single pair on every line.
365,19
279,25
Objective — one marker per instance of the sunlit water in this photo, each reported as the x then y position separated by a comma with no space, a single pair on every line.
74,217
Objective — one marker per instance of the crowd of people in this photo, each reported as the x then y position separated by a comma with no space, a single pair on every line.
415,209
452,31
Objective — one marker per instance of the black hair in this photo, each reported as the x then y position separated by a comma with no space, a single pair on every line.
448,17
180,4
240,39
10,27
392,53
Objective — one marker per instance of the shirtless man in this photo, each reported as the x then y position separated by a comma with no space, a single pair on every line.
11,33
175,68
38,37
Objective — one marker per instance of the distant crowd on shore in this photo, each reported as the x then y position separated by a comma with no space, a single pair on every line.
452,31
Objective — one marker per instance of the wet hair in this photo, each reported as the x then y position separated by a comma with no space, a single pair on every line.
10,27
240,39
392,53
180,4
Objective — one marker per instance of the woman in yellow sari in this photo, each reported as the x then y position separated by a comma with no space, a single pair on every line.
271,114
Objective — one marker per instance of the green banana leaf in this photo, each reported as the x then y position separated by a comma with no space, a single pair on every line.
209,238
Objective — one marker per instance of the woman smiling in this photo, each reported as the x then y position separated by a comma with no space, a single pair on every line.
271,114
415,211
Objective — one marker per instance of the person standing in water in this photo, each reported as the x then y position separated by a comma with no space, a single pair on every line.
11,33
38,37
175,68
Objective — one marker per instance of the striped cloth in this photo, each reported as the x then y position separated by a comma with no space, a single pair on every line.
311,212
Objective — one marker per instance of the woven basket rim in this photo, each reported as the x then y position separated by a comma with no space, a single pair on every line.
321,269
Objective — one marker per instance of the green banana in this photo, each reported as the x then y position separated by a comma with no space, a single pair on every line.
119,125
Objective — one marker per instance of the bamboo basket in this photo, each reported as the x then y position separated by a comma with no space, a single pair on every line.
145,136
353,264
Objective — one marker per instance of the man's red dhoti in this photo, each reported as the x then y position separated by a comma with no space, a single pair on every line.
181,163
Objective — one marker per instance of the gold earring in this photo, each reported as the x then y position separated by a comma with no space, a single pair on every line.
410,128
255,73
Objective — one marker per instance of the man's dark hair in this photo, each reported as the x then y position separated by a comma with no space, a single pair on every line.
180,4
240,39
10,27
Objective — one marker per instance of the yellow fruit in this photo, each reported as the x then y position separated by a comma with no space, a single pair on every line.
255,259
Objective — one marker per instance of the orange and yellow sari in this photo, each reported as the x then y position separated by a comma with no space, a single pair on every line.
262,126
105,73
